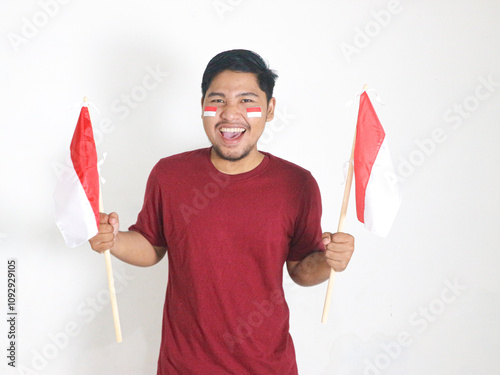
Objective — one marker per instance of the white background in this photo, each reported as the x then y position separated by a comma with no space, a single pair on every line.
424,300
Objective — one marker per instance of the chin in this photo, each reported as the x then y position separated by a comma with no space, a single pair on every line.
231,155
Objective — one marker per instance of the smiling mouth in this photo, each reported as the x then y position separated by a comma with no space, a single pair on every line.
232,134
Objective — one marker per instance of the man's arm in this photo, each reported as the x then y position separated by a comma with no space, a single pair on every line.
130,247
315,268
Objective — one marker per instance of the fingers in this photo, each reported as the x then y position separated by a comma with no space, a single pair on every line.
113,218
339,248
114,221
327,237
106,236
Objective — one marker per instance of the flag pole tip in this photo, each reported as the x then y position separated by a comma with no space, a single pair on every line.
85,99
365,87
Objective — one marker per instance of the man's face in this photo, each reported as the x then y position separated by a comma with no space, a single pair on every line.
232,133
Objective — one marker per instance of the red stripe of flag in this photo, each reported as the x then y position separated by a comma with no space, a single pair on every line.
84,158
377,193
369,138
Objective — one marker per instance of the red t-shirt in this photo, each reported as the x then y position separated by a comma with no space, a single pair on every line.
228,237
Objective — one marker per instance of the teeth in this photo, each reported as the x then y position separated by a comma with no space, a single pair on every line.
232,130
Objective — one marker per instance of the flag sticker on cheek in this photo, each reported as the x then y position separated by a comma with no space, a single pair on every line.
209,111
254,112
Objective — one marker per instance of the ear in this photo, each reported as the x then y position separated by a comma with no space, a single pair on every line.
270,109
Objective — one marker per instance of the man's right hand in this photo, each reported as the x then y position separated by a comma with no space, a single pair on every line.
105,239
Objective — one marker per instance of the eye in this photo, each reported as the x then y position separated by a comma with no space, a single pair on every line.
217,101
247,101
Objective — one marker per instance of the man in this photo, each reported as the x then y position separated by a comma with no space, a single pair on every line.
229,217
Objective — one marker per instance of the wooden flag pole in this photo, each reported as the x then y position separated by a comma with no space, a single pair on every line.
340,228
111,283
109,269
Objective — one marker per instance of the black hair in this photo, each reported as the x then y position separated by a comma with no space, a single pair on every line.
240,60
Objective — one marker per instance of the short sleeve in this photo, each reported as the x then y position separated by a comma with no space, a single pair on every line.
307,233
150,219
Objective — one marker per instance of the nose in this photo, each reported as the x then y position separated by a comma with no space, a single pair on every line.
230,112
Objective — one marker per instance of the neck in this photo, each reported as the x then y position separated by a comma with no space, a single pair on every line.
249,162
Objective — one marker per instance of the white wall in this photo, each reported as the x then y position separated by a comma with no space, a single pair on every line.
425,300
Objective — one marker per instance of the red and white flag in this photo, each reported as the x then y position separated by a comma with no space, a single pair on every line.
210,111
254,112
77,192
377,193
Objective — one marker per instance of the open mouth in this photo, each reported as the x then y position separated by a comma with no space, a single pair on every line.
232,134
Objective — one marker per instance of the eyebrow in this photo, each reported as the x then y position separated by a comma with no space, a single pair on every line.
239,95
248,94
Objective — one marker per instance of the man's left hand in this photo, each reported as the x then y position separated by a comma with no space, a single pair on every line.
338,249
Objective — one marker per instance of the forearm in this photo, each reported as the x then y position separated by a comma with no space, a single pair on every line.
311,270
133,248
